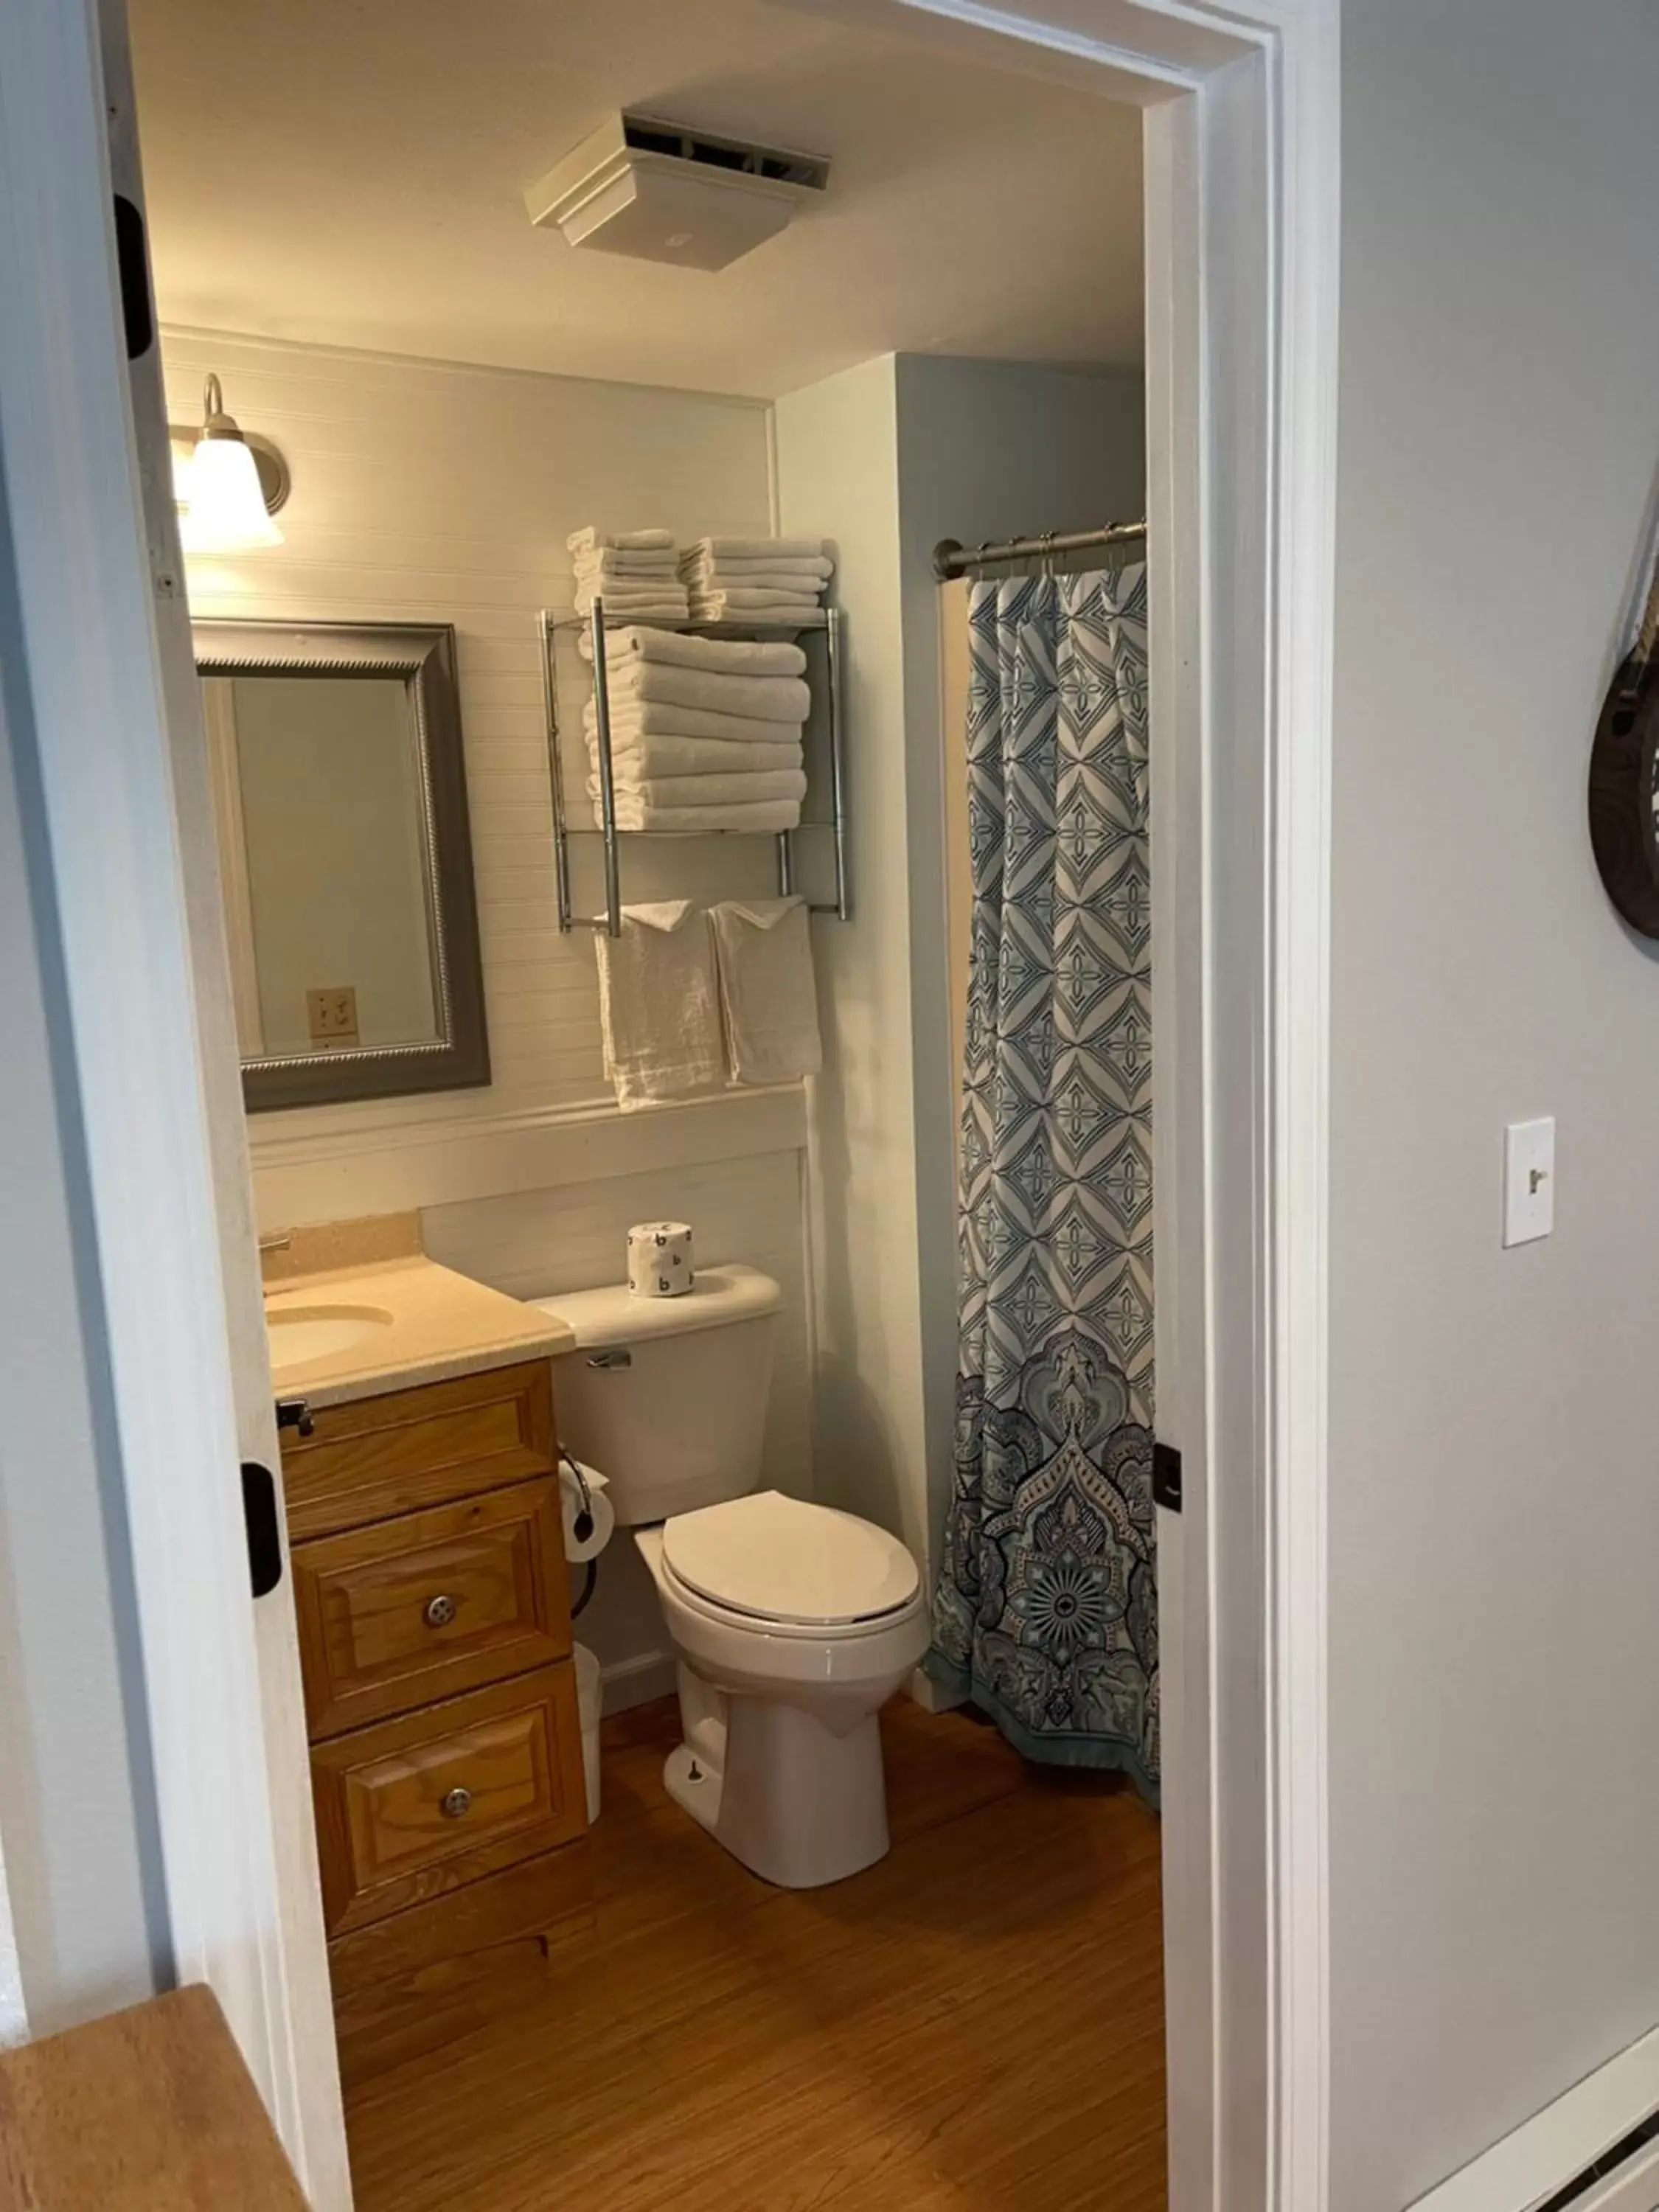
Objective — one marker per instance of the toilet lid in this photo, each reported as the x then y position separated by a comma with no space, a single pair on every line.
781,1559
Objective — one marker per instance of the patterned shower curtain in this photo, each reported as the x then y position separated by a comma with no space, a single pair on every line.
1045,1609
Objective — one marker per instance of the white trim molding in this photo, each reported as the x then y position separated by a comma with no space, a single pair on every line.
1530,2164
343,1170
1242,177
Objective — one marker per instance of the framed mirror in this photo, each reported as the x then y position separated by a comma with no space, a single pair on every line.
340,802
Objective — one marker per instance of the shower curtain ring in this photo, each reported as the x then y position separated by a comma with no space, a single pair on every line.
1048,555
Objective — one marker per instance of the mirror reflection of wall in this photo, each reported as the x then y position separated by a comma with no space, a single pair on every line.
324,834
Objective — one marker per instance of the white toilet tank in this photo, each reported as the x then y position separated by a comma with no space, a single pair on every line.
666,1397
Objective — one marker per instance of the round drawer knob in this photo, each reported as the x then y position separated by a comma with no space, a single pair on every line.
441,1611
456,1803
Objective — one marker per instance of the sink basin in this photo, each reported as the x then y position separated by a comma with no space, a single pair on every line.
300,1334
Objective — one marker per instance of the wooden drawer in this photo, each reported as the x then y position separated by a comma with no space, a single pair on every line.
403,1612
412,1807
424,1976
412,1448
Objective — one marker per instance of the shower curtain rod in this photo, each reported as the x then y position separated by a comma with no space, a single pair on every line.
952,559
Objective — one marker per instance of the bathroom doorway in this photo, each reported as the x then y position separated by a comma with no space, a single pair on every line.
1195,1837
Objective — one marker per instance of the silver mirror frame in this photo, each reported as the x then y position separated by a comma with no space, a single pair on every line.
424,654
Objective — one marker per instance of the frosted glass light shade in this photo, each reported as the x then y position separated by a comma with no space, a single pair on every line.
226,511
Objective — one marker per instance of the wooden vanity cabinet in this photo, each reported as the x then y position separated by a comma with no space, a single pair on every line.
431,1593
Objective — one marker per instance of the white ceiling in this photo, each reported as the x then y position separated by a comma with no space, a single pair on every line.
351,172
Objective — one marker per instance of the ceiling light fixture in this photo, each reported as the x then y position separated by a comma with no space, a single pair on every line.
231,486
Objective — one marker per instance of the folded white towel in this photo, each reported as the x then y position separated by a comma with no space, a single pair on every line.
813,568
766,818
621,541
758,549
662,609
659,1005
633,719
763,698
632,592
768,995
756,607
727,656
642,760
759,580
624,566
747,788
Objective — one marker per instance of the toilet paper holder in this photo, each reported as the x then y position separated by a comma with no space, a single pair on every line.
582,1527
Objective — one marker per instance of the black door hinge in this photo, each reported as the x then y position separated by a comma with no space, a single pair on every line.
1166,1477
264,1529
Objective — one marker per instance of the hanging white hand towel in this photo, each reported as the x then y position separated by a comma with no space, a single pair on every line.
768,995
658,1006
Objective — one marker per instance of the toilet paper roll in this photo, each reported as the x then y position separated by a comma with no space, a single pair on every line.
659,1259
595,1508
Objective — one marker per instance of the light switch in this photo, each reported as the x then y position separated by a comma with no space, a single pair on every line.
1529,1180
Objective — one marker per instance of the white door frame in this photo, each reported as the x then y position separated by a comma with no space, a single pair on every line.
1240,100
1242,173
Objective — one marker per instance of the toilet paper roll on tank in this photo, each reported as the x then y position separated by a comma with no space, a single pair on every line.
589,1518
659,1259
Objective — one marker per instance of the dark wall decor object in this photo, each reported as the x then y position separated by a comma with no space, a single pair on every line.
1623,780
345,856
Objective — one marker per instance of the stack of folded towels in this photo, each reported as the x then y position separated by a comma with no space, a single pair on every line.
634,573
705,732
757,580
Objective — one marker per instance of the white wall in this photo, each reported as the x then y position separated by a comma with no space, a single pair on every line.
424,492
1494,1531
886,460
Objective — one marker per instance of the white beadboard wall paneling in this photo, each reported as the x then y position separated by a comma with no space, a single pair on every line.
397,1167
531,1244
426,491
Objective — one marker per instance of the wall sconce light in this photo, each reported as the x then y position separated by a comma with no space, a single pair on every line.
231,484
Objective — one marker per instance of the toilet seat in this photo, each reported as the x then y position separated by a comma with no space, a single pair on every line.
783,1563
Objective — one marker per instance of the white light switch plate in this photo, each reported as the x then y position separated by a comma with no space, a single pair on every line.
1529,1180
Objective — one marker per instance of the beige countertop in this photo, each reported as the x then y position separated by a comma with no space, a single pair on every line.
425,1323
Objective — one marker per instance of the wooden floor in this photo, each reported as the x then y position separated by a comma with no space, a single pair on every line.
974,2025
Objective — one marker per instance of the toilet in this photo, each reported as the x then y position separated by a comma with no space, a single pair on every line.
791,1624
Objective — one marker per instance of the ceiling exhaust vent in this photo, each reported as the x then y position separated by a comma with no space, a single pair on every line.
659,192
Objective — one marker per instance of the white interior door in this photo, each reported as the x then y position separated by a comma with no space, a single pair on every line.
301,2068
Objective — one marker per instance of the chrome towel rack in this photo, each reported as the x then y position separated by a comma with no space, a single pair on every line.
826,624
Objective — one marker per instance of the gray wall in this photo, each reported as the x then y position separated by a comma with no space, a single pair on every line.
77,1810
1494,1534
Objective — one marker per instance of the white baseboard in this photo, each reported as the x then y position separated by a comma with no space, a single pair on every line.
636,1681
1544,2152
